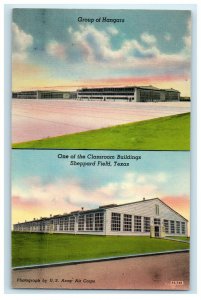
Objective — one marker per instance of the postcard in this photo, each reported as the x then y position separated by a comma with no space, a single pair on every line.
101,105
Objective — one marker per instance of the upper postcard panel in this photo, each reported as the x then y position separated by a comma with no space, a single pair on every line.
101,79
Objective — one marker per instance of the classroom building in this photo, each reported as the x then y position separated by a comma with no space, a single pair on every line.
150,217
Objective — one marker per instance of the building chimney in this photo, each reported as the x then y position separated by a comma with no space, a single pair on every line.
143,198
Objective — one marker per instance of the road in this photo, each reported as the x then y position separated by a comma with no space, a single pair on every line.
38,119
163,272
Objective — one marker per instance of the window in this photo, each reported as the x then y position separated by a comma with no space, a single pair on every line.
146,224
116,222
127,223
157,221
72,223
61,225
81,223
183,228
89,221
99,217
157,209
178,227
166,225
138,223
66,225
172,227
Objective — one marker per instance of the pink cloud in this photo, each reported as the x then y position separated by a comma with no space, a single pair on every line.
23,203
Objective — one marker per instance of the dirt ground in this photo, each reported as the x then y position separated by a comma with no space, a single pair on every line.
38,119
163,272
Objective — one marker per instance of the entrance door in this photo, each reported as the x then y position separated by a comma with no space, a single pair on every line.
157,233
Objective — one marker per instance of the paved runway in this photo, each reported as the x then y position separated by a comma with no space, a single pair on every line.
38,119
164,272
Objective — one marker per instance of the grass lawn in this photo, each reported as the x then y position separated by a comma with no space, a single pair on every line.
183,238
166,133
39,248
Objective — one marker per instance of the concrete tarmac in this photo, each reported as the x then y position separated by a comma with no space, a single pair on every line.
159,272
38,119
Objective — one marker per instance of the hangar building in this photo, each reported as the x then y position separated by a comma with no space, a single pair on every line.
151,217
39,94
129,93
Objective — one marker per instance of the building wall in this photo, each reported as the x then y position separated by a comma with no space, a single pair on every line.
107,94
134,94
172,96
26,95
139,218
144,209
42,95
67,224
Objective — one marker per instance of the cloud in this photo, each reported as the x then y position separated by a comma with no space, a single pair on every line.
95,46
91,44
32,197
56,49
21,42
167,36
148,38
112,30
91,48
68,195
187,37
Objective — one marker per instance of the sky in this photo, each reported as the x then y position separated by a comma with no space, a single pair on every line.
43,184
53,49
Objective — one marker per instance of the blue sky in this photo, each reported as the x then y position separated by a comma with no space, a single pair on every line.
53,49
44,184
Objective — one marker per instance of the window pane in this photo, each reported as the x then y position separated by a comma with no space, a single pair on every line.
146,224
157,209
127,223
178,227
99,218
138,223
157,221
172,227
183,228
89,221
81,223
72,223
166,224
116,222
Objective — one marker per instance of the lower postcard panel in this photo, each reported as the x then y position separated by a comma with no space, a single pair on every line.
100,219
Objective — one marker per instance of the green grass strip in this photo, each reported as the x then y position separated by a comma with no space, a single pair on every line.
41,248
166,133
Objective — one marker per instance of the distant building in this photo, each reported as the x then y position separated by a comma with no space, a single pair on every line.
129,93
185,99
39,94
150,217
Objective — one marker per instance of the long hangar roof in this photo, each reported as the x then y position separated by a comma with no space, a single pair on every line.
102,208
